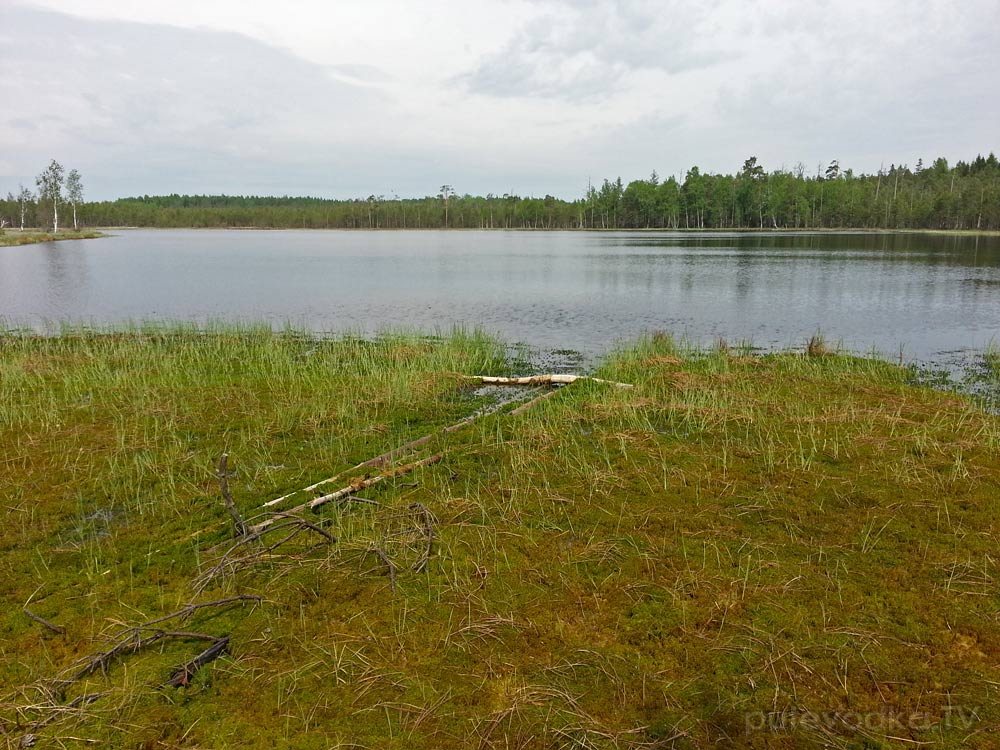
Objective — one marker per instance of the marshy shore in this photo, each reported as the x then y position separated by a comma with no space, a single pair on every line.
14,237
739,550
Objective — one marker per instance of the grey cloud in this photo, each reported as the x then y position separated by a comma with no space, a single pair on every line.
108,97
862,92
581,50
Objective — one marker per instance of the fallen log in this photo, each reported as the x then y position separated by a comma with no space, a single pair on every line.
393,454
347,491
550,379
183,674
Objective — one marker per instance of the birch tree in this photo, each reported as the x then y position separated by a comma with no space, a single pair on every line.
74,192
24,198
447,191
50,187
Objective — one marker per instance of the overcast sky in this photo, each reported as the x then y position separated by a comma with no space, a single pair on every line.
346,98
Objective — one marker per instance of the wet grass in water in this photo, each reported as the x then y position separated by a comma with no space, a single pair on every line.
745,551
14,237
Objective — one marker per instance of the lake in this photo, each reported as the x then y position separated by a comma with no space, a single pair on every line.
936,296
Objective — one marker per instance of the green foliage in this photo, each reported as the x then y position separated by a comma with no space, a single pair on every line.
963,197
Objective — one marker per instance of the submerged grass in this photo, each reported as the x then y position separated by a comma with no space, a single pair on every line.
743,551
991,361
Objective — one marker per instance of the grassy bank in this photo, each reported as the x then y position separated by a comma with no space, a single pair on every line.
780,551
12,237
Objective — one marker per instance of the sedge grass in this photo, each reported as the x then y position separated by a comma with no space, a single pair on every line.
734,544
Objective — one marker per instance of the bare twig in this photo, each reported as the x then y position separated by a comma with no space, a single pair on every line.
389,564
230,561
426,523
239,526
42,621
190,609
130,644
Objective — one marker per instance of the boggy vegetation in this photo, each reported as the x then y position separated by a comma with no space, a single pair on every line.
17,237
744,551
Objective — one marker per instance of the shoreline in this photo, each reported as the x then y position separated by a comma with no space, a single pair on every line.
644,230
17,237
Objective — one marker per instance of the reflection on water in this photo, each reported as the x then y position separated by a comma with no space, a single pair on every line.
929,294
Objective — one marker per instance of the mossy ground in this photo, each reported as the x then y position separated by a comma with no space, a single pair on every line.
11,237
740,551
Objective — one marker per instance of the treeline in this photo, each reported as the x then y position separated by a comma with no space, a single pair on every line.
939,196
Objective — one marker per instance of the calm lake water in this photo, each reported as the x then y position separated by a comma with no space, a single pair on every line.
935,296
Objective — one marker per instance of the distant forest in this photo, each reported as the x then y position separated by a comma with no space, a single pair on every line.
935,196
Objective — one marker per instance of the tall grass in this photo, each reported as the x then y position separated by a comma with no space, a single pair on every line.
735,539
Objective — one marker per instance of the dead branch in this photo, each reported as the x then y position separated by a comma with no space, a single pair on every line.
42,621
311,526
551,379
181,676
239,526
229,561
130,644
134,639
426,524
389,564
190,609
349,490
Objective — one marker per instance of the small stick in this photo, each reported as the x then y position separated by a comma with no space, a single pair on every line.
427,528
190,609
311,526
239,526
389,564
42,621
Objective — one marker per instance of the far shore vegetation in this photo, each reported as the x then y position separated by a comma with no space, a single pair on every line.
11,237
796,549
964,196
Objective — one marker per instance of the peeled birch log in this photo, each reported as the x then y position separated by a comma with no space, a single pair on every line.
346,491
393,454
551,379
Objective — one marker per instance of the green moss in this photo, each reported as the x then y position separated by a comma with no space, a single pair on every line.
735,538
